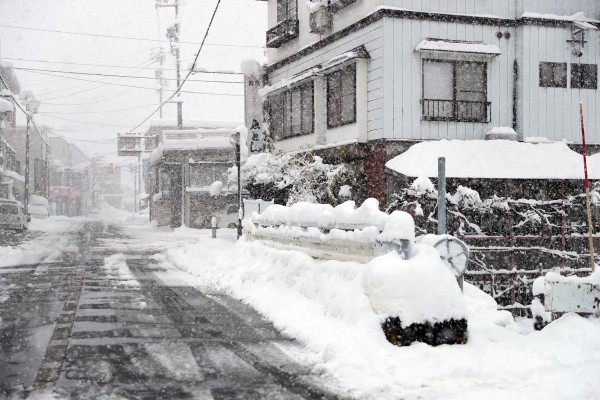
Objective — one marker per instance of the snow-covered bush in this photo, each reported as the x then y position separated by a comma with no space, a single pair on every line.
293,178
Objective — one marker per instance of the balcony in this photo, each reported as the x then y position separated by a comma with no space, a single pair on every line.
282,32
456,110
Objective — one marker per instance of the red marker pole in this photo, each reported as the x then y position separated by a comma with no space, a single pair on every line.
587,190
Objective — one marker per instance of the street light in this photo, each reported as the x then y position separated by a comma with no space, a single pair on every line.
31,107
234,139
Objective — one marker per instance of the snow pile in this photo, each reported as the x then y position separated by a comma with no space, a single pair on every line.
327,217
326,305
494,159
402,288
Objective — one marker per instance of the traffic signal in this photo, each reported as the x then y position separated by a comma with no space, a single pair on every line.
111,168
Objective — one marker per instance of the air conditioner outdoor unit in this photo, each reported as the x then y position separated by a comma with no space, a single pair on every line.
320,20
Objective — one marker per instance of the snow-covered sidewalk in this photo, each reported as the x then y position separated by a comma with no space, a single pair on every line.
323,304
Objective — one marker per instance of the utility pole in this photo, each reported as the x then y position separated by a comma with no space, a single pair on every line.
173,36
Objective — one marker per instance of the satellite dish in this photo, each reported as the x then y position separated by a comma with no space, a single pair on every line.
454,253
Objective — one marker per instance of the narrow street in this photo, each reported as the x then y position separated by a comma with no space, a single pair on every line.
105,322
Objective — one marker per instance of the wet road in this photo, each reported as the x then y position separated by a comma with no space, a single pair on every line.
103,324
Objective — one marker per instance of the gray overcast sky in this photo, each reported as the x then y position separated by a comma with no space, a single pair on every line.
93,112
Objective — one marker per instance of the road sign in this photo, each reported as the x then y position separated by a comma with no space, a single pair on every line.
454,253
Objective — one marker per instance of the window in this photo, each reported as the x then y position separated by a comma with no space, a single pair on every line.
553,74
341,97
165,185
291,112
205,174
286,9
584,76
455,91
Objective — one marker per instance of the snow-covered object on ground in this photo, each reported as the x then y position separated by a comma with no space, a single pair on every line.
457,47
494,159
417,290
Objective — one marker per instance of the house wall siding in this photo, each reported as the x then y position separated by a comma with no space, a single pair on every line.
403,77
372,37
554,112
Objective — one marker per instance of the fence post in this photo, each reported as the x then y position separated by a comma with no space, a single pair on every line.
213,224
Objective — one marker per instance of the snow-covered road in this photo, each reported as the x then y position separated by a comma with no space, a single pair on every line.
152,302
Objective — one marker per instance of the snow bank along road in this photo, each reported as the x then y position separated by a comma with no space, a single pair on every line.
82,316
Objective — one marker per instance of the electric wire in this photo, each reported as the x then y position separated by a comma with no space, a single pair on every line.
131,86
124,37
117,76
178,90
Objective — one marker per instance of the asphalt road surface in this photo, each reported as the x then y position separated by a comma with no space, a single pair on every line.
79,327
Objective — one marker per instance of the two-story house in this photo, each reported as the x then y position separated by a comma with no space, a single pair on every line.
373,77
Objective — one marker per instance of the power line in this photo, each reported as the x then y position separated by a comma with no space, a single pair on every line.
103,111
130,86
178,90
83,123
123,37
103,83
115,75
115,66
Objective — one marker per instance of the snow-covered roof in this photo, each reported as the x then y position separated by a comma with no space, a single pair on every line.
494,159
197,139
359,52
453,46
577,17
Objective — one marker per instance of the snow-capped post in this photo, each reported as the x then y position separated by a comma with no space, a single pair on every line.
587,189
213,224
253,111
441,196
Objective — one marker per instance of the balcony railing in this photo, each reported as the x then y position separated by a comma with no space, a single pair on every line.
456,110
282,32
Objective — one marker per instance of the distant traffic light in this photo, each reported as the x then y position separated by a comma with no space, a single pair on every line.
111,168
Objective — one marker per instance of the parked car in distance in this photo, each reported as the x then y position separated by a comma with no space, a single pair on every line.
12,215
38,207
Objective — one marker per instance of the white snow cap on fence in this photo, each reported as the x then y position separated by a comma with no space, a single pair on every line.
396,226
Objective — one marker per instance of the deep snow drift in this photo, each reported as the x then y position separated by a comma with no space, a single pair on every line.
325,305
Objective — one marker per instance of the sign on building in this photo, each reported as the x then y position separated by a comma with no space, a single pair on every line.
253,81
129,145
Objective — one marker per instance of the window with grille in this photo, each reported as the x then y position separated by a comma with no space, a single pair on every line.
455,91
292,112
584,76
341,97
553,74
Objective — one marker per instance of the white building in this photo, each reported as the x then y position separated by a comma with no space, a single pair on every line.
375,76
